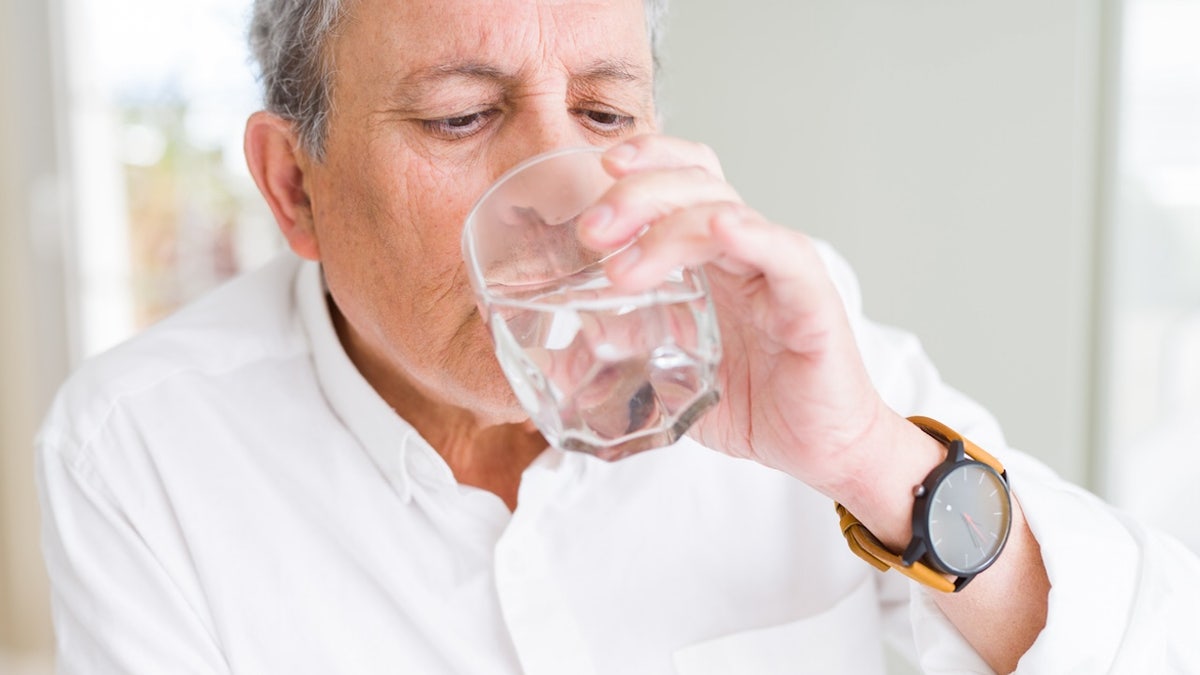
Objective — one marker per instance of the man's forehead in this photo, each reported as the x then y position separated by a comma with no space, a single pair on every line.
426,40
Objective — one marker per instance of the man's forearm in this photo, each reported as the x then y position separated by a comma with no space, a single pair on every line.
1002,611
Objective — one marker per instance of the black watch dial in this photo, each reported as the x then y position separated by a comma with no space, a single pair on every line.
969,517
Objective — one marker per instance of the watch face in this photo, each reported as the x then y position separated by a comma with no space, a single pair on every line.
969,517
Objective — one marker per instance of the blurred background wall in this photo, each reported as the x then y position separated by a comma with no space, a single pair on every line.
33,328
1017,182
948,149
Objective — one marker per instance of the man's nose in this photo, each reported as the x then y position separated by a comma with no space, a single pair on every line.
535,133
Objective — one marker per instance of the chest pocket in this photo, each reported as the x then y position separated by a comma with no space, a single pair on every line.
846,638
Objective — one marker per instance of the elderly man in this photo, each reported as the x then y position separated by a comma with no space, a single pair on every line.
321,469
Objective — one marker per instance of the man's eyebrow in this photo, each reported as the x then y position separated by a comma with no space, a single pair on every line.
411,89
468,69
613,69
599,75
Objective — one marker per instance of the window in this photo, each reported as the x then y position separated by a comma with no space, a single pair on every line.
158,95
1153,303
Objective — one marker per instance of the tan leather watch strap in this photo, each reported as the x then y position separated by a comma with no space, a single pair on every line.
866,546
945,434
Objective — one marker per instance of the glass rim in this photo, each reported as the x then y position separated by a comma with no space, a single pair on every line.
474,272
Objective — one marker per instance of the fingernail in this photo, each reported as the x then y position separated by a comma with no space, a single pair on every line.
596,219
622,154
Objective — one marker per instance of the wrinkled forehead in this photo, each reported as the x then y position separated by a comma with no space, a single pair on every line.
398,37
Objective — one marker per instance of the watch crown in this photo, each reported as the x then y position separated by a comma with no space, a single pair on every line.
919,491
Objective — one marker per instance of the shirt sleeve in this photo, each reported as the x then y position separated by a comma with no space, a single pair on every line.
115,607
1124,598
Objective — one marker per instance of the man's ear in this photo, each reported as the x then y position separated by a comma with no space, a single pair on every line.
277,164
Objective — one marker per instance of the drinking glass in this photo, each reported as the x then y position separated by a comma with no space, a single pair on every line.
597,369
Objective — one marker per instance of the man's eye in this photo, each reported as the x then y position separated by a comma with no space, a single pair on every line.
605,121
459,126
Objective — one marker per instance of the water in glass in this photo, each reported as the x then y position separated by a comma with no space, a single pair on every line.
606,373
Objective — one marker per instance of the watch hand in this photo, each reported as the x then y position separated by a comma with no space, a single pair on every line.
973,530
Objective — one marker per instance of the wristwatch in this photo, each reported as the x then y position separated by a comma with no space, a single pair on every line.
962,514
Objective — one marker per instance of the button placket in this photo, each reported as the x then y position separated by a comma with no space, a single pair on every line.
543,628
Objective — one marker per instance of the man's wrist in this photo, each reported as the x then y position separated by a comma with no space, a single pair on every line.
891,461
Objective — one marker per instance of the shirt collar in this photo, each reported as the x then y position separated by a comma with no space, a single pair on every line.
392,443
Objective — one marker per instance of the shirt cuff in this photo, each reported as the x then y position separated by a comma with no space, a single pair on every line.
1092,561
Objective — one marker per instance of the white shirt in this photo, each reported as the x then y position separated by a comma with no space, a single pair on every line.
227,494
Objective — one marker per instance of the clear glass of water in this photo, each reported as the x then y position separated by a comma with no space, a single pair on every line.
598,370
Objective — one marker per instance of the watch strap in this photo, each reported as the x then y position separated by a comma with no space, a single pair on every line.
867,546
945,435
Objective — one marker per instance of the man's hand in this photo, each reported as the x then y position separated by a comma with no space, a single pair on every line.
795,393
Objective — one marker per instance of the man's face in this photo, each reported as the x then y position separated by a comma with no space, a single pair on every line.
432,101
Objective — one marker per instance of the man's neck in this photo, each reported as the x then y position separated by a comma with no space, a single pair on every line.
480,453
492,457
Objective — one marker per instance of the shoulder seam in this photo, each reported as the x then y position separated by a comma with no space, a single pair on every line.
114,402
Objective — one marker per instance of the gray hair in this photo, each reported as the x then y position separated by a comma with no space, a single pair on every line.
289,39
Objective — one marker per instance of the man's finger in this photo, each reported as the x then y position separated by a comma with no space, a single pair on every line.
647,197
655,151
